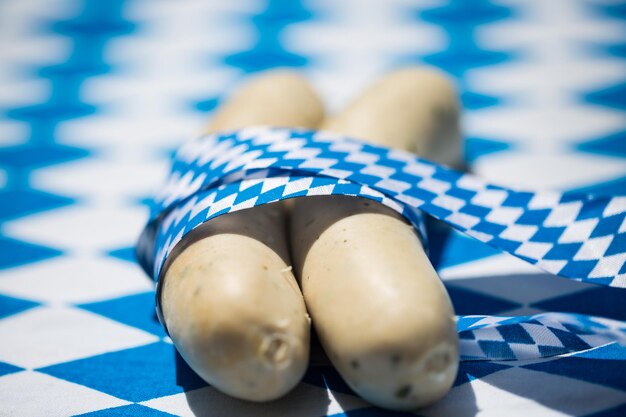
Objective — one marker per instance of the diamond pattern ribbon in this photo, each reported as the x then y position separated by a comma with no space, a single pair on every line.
573,235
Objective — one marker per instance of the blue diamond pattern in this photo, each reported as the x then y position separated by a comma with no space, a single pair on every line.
268,52
155,370
618,411
118,373
126,254
475,101
134,410
515,333
494,348
15,252
7,368
135,310
449,248
471,370
478,147
31,156
207,105
611,145
24,202
617,50
467,302
614,96
11,305
612,351
460,19
595,301
598,371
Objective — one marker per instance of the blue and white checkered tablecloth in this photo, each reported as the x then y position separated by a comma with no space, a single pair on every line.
96,95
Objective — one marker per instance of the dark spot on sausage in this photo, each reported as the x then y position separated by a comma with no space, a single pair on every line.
354,364
442,113
366,204
197,290
265,267
439,362
395,359
403,391
345,241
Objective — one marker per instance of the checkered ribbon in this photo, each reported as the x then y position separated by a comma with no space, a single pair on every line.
578,236
531,337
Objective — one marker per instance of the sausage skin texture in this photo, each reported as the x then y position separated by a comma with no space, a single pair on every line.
379,308
230,301
413,109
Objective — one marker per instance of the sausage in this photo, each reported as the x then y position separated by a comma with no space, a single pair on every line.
377,304
413,109
229,299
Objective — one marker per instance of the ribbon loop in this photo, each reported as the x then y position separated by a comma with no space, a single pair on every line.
579,236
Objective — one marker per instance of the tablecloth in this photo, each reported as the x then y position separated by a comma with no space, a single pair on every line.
96,95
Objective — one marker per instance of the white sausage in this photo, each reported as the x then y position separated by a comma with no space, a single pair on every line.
229,299
380,310
414,109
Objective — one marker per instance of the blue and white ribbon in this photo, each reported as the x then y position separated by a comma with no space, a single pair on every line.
573,235
532,337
